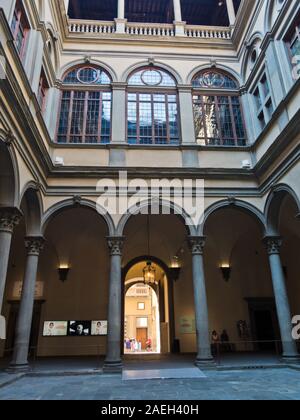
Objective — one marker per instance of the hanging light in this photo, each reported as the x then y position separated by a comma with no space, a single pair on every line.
149,272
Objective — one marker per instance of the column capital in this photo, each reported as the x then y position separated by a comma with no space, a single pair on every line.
34,245
197,244
9,218
115,244
273,244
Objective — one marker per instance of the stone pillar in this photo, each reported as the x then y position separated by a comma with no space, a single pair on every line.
121,9
120,20
9,218
177,11
190,158
67,2
113,361
34,246
119,113
273,245
204,356
117,155
231,12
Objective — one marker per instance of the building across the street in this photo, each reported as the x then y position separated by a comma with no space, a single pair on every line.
149,178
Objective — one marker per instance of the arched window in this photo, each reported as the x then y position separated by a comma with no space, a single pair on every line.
152,108
85,111
217,110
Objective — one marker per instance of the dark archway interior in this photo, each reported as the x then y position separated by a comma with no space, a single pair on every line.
32,211
7,182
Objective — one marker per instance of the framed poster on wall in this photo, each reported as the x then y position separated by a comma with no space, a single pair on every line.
99,328
55,329
79,328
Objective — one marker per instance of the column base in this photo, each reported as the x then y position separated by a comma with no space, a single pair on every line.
113,367
205,363
294,359
18,368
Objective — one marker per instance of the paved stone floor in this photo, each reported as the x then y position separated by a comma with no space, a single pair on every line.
269,384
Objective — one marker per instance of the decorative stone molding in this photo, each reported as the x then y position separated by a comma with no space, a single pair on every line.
115,244
9,138
77,199
197,244
37,186
231,200
213,63
34,245
273,244
9,218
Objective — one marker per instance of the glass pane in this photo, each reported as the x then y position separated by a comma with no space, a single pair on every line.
265,86
199,115
87,75
132,119
214,79
160,121
92,119
210,111
173,121
225,119
145,119
295,49
151,77
106,119
64,118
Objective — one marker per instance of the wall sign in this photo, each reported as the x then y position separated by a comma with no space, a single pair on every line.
187,325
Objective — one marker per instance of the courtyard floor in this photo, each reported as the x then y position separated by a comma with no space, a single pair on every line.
240,378
270,384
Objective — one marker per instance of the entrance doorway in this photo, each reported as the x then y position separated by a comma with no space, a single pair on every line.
148,308
142,320
264,323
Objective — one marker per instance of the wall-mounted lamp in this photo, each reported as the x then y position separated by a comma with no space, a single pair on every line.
226,272
63,272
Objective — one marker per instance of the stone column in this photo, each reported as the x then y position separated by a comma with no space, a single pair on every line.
177,11
121,9
113,361
231,12
204,356
34,246
120,20
67,2
273,245
9,218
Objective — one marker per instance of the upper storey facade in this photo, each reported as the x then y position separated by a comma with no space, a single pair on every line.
212,88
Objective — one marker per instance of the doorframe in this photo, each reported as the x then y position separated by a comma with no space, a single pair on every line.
172,275
262,304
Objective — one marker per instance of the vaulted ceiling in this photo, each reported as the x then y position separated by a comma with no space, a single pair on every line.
194,12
